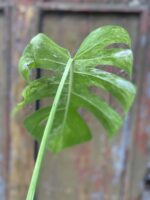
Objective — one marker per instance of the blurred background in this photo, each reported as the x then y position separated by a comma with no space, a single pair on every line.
101,169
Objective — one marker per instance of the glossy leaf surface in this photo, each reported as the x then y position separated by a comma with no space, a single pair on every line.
69,128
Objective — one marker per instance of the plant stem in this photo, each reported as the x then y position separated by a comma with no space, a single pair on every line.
46,133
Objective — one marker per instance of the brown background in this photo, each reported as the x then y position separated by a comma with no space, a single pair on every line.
100,169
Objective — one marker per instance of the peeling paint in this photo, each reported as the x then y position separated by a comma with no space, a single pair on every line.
1,157
147,128
143,40
97,196
2,189
148,85
119,152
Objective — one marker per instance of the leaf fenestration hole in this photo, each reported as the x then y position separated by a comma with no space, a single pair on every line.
94,125
114,70
106,96
117,45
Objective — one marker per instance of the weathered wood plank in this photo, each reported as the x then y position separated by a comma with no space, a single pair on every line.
89,7
4,110
21,147
124,2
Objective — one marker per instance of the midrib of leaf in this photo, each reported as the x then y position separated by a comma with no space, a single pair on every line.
69,95
48,128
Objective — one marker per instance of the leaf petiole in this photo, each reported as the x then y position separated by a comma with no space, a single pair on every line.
48,128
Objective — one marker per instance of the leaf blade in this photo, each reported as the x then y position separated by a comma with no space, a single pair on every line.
120,58
94,51
43,53
101,38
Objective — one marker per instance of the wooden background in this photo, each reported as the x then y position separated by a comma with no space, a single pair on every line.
100,169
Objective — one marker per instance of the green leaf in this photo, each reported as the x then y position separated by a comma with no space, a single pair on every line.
102,38
69,127
57,140
43,53
120,58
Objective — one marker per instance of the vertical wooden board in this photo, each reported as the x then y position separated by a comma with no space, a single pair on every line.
93,170
139,154
21,148
65,29
4,123
121,144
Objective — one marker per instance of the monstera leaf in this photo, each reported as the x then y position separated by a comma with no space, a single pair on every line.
72,91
